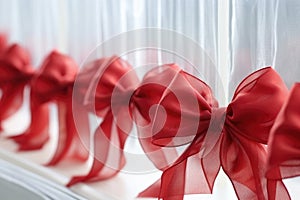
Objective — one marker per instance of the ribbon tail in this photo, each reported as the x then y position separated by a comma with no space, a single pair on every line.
244,163
152,191
70,143
38,132
160,157
108,158
171,186
190,174
11,101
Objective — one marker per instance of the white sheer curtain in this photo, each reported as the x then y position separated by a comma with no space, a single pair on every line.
252,38
287,59
264,33
76,27
259,33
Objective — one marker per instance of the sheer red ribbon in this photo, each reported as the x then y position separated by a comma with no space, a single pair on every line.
284,141
15,73
232,138
53,82
98,80
170,108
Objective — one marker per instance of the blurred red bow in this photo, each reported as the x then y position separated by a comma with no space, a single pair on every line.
54,82
109,85
15,73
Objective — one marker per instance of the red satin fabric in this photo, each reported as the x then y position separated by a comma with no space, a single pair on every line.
15,74
233,138
53,82
284,142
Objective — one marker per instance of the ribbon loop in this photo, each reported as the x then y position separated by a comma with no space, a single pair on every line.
15,65
256,104
55,79
284,142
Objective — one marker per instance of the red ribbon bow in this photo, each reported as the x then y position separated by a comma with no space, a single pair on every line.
54,83
98,80
15,73
109,84
284,142
233,138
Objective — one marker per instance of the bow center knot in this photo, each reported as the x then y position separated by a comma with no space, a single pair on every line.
121,97
217,120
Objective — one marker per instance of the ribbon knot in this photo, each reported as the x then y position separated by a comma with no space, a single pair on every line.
121,98
214,131
217,119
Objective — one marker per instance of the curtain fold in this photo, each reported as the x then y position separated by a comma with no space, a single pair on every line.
264,33
77,27
287,31
252,38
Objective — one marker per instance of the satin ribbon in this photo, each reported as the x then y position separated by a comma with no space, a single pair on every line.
284,142
109,84
15,73
233,138
53,82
